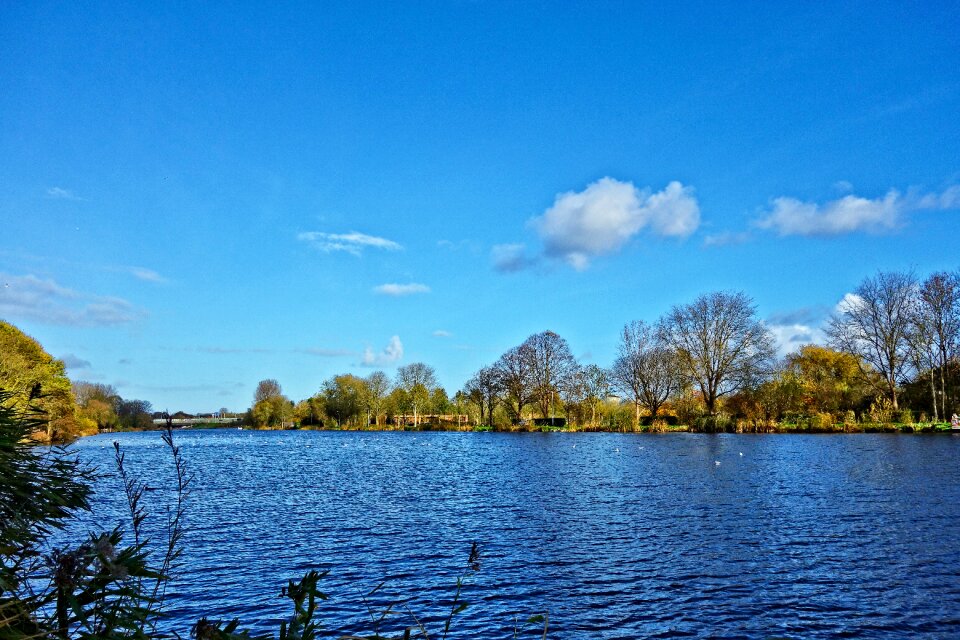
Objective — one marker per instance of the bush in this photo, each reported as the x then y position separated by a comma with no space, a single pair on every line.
666,419
905,416
713,424
822,421
881,411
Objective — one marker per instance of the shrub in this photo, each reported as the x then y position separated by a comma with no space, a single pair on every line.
905,416
881,411
713,424
822,421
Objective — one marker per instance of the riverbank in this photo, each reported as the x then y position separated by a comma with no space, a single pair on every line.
785,428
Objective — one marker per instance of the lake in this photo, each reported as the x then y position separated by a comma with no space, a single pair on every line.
612,535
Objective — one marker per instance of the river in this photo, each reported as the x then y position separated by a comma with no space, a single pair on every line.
611,535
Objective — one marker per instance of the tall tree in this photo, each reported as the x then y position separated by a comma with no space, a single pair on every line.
378,385
552,367
720,345
824,380
484,390
417,380
874,324
645,370
266,389
134,414
27,370
345,397
597,385
514,372
935,332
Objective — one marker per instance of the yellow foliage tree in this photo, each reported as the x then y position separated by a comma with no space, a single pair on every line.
28,370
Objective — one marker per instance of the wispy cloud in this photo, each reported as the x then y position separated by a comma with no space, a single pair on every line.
602,218
31,298
353,243
325,353
388,355
440,333
58,193
510,258
398,290
851,213
71,361
725,238
147,275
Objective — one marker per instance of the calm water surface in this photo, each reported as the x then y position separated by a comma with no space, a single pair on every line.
615,536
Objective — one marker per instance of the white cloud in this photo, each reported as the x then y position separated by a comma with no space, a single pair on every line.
390,354
849,302
353,243
58,193
509,258
31,298
71,361
147,275
725,238
398,290
790,337
440,333
851,213
604,216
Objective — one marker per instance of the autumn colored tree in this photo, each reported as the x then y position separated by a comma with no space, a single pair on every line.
26,369
828,380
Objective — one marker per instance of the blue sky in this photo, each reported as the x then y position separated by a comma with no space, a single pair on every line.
195,197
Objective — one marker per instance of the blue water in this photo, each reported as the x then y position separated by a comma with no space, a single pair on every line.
612,535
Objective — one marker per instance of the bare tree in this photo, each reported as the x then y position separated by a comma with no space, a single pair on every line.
515,373
378,386
874,323
552,367
720,345
646,370
484,390
935,332
597,386
266,390
417,380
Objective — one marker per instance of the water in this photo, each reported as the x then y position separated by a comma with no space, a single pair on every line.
614,536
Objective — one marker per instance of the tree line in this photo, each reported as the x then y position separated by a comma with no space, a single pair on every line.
891,356
709,364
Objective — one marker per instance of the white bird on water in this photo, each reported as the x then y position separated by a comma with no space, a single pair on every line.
716,462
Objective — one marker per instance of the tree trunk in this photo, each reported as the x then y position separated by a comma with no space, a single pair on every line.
933,395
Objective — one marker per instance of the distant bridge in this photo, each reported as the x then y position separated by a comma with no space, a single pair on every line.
189,422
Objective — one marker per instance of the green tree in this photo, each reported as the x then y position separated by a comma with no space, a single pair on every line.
378,388
345,397
829,380
484,390
417,380
26,369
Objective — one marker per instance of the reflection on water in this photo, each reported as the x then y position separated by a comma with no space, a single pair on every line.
616,535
